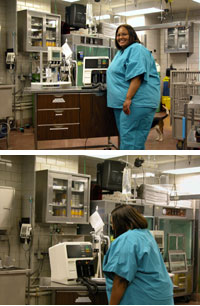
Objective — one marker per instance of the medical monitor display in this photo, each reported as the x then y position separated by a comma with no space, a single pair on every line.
76,16
110,174
178,262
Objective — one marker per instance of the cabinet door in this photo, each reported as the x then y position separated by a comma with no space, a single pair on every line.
79,199
35,31
57,209
182,39
96,119
170,39
52,26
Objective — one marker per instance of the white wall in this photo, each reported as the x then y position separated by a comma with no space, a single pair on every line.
10,175
36,5
188,183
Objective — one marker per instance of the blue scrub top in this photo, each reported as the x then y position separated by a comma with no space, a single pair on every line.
136,257
127,64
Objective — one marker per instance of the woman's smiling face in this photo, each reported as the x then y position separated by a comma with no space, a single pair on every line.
122,37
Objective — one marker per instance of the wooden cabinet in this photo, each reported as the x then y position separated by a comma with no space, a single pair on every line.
58,116
96,119
73,116
81,298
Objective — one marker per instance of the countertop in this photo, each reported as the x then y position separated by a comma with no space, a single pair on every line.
5,86
13,270
70,89
46,283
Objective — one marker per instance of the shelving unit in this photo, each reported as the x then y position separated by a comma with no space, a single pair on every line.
183,85
37,31
190,139
62,197
179,39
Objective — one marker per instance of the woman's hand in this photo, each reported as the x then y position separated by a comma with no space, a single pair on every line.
126,106
134,85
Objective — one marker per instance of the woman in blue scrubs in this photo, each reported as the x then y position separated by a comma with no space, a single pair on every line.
133,89
133,267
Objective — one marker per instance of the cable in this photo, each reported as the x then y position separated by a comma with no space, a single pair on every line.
170,4
91,286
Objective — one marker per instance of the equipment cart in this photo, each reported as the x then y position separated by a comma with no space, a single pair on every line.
191,141
184,84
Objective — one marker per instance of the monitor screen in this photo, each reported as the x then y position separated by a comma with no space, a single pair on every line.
56,55
111,173
178,262
79,251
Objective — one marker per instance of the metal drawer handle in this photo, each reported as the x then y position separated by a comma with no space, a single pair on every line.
58,114
59,129
58,100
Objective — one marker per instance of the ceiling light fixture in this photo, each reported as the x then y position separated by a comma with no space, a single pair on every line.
103,155
136,12
141,175
70,0
198,1
102,17
141,9
183,171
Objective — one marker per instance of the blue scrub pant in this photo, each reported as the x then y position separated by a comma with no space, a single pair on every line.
134,128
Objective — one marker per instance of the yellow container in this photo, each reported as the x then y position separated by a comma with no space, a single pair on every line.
166,101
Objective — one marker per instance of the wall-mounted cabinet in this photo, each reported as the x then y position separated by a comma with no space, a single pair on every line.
37,31
179,40
62,197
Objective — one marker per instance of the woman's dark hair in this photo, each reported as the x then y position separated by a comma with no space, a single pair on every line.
133,38
125,217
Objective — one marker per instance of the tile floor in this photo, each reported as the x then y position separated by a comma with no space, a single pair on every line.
25,141
195,300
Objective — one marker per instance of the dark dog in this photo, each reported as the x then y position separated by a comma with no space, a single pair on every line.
158,122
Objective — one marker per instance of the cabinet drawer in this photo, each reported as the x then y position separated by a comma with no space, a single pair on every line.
58,116
57,101
54,132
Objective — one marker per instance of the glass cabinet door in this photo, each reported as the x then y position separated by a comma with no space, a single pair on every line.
171,39
178,236
36,34
78,202
58,197
51,26
182,39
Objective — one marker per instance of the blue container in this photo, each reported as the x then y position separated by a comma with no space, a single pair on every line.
166,91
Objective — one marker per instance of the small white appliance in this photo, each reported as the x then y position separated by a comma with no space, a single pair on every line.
94,69
70,261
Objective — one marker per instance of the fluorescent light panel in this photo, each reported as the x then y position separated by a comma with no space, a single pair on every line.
70,0
198,1
141,175
102,17
103,155
183,171
149,10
